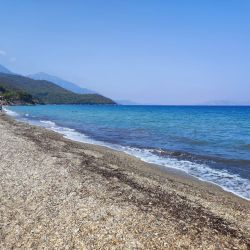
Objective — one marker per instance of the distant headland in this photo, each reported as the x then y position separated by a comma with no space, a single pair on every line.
22,90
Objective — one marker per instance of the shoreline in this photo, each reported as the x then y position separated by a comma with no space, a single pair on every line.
149,206
91,141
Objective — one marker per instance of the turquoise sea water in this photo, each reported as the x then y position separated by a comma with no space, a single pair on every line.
211,143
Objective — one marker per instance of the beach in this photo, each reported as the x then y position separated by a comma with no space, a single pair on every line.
60,194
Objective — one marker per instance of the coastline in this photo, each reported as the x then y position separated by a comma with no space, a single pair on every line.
143,154
119,200
229,182
90,141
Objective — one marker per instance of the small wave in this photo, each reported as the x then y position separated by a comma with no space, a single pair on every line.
182,155
10,112
228,181
167,153
48,123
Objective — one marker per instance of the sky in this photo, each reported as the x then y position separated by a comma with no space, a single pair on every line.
146,51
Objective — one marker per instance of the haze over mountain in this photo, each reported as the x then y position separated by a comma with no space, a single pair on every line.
20,89
54,79
4,70
127,102
61,82
224,103
46,92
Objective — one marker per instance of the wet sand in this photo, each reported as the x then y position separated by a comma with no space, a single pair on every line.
60,194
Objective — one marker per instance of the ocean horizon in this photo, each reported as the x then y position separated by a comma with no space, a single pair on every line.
211,143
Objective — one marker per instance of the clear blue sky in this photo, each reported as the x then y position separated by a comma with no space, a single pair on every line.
148,51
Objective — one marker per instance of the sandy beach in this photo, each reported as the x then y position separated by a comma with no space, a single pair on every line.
60,194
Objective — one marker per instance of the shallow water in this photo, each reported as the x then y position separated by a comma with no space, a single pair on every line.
211,143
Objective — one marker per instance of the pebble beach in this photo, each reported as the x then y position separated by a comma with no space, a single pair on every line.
59,194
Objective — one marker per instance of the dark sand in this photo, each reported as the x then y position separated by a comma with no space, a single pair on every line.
60,194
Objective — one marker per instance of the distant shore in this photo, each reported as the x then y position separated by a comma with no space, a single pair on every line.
56,193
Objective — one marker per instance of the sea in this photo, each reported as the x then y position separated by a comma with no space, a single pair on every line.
211,143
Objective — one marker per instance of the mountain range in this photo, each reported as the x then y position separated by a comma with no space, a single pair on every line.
18,89
62,83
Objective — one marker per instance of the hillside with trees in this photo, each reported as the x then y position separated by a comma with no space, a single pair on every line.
17,87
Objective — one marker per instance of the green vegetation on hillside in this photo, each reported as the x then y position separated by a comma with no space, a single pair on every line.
11,96
48,93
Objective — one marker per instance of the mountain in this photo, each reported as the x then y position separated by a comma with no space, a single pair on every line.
46,92
62,83
4,70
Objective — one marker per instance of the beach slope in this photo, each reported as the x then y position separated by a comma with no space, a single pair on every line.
60,194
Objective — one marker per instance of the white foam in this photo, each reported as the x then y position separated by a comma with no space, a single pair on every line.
228,181
10,112
48,123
